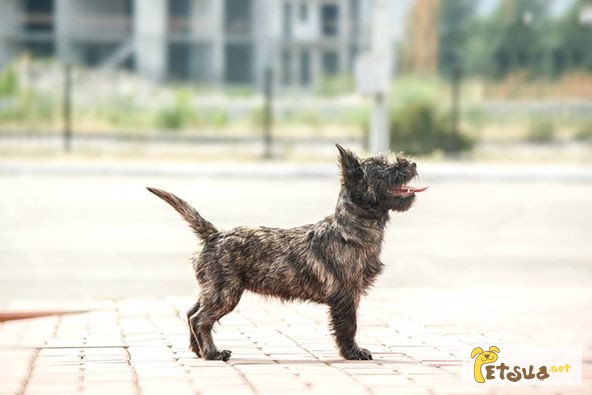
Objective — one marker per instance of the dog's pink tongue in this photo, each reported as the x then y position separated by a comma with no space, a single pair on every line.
413,189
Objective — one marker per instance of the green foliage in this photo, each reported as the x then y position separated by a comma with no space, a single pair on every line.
31,109
572,41
9,84
120,111
584,132
329,86
238,91
541,131
520,35
416,89
359,117
454,25
256,116
215,118
178,114
419,129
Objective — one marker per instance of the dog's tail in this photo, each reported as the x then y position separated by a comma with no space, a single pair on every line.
201,227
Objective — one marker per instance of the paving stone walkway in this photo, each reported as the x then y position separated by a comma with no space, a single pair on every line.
139,346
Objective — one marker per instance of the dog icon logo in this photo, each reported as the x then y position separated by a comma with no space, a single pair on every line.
483,358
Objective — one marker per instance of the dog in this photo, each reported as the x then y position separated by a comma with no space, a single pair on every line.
333,262
483,358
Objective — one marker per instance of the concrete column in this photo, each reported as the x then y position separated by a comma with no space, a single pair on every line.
10,13
344,35
218,42
266,52
150,36
261,59
64,15
382,51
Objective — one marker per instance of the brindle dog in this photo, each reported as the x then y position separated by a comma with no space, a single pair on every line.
334,261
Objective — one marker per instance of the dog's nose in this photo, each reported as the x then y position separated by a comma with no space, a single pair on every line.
414,165
486,356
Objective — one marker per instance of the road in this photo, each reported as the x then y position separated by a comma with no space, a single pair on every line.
76,236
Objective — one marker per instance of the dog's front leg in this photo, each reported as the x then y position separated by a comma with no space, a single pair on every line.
343,309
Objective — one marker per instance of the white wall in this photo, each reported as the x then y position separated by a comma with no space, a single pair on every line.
308,29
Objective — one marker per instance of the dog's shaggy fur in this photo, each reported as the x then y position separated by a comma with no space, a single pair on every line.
334,261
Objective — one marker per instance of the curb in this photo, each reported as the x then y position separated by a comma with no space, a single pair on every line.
432,172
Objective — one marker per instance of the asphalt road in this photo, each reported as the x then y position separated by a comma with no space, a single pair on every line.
76,236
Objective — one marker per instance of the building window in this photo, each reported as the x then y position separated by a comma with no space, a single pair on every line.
189,61
287,20
330,62
179,8
129,8
330,20
96,53
238,67
39,16
304,68
238,16
178,59
179,13
303,12
39,6
286,67
40,49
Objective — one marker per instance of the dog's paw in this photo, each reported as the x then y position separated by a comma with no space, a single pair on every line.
359,354
223,355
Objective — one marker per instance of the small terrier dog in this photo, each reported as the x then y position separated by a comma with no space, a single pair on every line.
333,262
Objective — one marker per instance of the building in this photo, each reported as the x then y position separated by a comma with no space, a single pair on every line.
212,42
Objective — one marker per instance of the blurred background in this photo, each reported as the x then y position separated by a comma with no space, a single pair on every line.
236,105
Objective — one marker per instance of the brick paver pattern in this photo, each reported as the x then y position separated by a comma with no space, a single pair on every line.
140,346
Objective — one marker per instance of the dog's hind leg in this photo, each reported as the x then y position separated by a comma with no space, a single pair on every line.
193,343
214,306
342,309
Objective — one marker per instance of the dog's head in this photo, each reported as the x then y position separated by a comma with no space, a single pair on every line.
378,183
485,357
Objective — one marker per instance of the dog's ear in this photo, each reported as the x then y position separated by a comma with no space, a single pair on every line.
351,170
494,349
476,351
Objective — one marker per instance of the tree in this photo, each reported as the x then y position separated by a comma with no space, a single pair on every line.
571,49
455,21
520,45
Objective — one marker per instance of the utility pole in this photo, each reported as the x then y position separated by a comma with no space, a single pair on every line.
267,113
381,53
454,102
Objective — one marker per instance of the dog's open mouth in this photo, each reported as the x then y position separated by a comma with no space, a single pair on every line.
406,190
